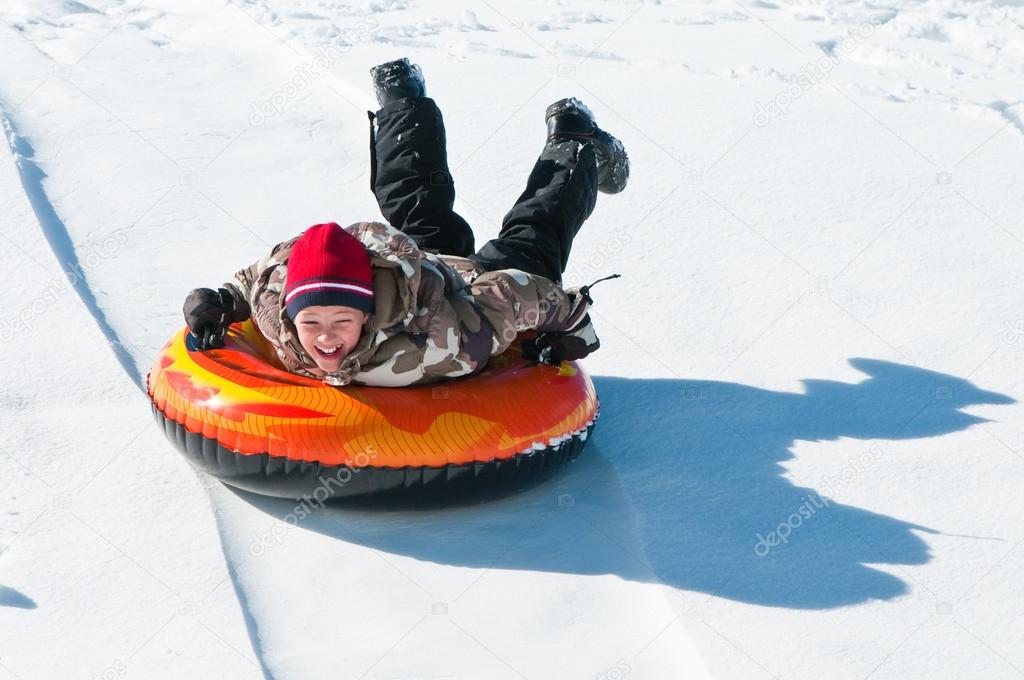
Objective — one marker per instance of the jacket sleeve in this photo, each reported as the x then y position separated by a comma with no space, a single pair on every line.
513,301
456,338
244,281
463,326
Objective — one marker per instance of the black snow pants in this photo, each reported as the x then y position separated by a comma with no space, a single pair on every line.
409,175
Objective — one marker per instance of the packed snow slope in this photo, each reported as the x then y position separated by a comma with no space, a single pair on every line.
811,447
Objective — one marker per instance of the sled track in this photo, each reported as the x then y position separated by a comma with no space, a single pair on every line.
57,236
63,248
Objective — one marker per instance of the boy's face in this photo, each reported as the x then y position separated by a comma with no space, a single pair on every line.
328,334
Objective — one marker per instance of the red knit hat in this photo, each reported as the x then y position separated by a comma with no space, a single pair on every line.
328,266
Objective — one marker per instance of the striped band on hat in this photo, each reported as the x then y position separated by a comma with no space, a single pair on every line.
324,285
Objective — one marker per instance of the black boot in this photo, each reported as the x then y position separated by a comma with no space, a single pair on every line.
394,80
571,119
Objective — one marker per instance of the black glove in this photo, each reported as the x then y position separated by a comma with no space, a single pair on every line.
554,348
208,313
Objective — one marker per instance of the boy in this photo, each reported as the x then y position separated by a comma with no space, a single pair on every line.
414,302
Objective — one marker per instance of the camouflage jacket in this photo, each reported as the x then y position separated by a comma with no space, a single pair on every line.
436,316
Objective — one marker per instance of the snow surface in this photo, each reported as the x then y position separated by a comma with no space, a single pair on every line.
818,337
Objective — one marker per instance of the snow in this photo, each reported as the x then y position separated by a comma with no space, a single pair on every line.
811,444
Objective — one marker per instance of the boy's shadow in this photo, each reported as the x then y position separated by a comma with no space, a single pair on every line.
683,484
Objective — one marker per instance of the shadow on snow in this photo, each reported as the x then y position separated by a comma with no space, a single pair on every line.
9,597
682,481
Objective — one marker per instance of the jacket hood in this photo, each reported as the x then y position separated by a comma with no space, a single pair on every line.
396,264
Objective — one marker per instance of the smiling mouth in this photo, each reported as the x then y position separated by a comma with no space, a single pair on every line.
327,352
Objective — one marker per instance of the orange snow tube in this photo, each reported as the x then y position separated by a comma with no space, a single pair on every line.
239,416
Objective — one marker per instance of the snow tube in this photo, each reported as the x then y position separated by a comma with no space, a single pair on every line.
236,414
